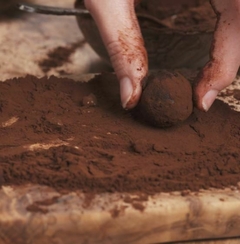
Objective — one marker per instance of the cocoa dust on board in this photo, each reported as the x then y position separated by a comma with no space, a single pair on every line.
99,147
59,56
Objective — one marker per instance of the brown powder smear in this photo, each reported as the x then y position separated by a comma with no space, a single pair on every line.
59,56
236,94
38,206
103,148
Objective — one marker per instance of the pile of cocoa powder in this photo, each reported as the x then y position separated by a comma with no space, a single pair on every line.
99,147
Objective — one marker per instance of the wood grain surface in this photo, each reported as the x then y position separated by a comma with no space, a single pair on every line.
37,214
27,39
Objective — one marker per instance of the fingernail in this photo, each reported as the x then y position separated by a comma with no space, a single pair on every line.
208,99
126,90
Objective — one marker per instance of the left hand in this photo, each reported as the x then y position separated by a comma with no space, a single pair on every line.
224,62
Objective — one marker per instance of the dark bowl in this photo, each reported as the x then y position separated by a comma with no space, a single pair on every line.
166,47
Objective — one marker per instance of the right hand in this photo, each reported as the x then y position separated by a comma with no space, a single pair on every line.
224,62
119,29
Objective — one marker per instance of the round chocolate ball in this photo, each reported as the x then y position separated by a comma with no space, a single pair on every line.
166,99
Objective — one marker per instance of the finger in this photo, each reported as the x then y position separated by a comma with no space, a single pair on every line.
122,37
224,62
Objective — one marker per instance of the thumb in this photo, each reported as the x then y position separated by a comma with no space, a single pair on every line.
224,62
122,37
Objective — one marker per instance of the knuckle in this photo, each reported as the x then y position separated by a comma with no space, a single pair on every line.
129,54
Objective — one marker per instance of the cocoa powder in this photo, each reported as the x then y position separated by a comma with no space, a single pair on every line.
59,56
236,94
101,148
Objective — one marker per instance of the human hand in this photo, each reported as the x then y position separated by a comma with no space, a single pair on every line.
122,37
118,25
224,62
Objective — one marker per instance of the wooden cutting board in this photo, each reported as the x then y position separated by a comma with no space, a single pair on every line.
37,214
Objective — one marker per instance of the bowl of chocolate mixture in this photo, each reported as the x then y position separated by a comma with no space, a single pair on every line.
7,4
177,33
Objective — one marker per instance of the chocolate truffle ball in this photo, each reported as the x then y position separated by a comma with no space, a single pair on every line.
166,99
